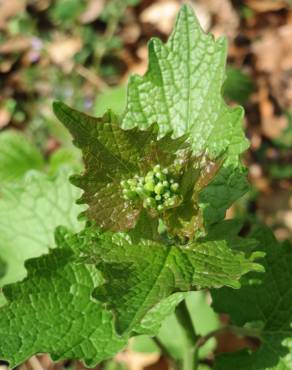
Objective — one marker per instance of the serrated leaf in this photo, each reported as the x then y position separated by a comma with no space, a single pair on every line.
140,275
29,213
264,303
181,91
53,311
17,156
111,155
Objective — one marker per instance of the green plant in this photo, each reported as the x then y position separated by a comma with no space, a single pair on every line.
157,183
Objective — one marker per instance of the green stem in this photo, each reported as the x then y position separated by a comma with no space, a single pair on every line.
109,33
164,351
189,360
184,318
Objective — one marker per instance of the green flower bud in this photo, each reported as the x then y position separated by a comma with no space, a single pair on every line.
132,182
169,202
159,188
140,190
149,203
160,176
128,194
174,199
149,186
157,168
174,187
149,174
149,178
166,195
155,189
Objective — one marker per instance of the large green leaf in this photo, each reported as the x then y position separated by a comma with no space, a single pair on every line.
264,303
53,311
139,275
181,91
29,213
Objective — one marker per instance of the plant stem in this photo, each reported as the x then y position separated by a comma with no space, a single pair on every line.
109,33
188,362
184,318
164,351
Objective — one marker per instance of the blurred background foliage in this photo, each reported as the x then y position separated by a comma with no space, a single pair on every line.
82,52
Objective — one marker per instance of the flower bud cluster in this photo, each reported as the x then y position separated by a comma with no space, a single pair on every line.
157,189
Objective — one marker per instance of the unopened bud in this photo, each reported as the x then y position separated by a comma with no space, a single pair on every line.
166,195
160,176
149,202
174,187
149,186
159,188
157,168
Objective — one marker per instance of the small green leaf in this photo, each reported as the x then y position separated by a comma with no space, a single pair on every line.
266,300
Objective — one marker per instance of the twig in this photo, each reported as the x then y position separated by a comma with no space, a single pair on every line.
245,332
91,77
